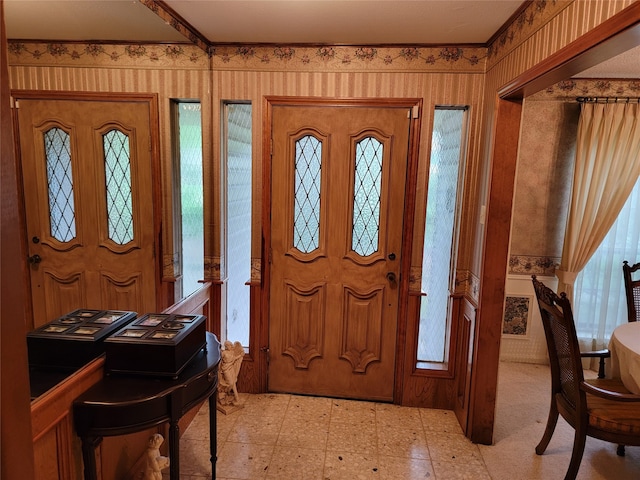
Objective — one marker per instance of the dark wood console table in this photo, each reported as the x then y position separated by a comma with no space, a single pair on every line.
120,404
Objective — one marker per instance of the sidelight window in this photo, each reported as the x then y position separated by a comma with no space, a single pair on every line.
189,199
441,232
237,144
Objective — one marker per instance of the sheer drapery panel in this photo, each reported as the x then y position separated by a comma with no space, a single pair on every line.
599,298
607,167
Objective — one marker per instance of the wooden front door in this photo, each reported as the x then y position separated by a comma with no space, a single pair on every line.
337,201
88,204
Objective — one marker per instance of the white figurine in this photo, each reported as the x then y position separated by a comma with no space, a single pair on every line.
155,461
229,369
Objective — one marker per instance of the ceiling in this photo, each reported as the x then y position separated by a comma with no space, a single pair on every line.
354,22
347,22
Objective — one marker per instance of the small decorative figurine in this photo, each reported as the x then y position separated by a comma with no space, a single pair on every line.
229,368
155,461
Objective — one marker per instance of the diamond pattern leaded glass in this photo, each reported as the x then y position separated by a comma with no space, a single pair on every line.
366,197
306,215
191,196
117,163
439,233
60,183
238,161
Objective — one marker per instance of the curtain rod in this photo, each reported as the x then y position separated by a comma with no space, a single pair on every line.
608,99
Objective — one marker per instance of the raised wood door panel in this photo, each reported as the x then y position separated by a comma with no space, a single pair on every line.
89,205
465,316
334,287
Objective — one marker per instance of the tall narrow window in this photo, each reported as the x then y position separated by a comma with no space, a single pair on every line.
190,179
62,215
440,238
237,166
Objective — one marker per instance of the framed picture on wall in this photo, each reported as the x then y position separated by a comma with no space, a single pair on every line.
517,315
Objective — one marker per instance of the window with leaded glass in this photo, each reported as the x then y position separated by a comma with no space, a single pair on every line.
438,260
366,196
62,218
189,173
117,162
237,142
306,212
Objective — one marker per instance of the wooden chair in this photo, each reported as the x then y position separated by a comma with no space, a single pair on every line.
632,289
599,408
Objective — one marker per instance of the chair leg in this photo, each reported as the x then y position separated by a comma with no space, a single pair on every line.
551,425
579,441
601,368
620,450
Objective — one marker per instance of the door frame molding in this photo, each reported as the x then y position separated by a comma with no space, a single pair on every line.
164,297
613,36
259,330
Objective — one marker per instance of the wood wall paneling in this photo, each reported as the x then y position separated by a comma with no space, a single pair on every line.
56,447
16,450
252,378
423,388
465,314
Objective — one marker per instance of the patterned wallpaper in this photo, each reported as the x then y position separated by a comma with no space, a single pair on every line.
254,58
529,21
354,58
601,87
107,55
545,168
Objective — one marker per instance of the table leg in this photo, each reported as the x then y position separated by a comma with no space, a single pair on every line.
89,445
213,441
174,451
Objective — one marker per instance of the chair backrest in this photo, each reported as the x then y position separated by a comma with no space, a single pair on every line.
632,289
562,344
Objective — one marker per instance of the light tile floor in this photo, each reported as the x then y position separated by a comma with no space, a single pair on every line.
310,438
289,437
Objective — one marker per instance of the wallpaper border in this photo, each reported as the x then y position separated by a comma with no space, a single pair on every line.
445,59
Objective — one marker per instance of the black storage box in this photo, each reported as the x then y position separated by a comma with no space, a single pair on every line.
155,344
74,339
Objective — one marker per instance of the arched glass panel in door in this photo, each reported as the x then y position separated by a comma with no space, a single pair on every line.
117,161
62,217
366,196
306,211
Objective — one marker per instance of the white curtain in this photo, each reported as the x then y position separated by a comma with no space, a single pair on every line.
599,302
607,167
